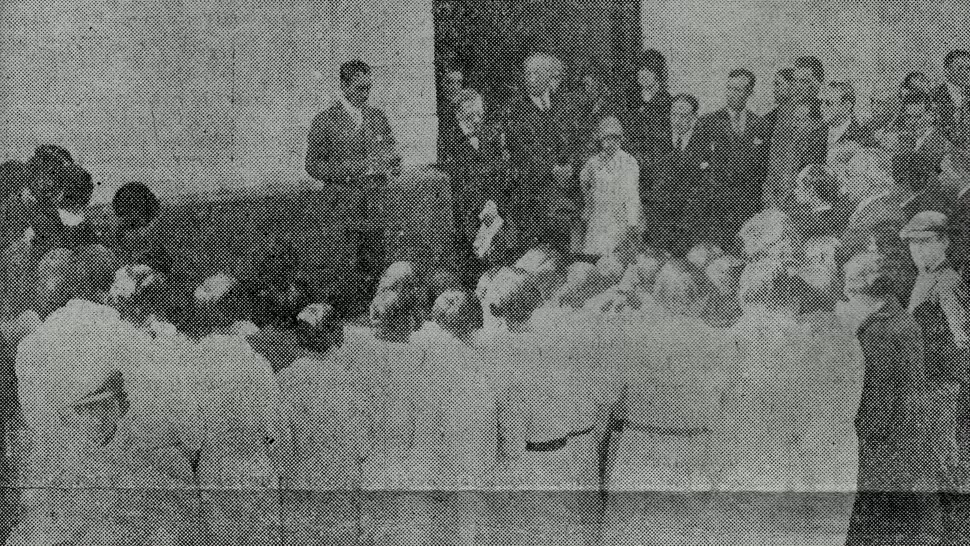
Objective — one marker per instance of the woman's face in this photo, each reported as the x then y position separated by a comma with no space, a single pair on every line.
928,251
648,82
610,144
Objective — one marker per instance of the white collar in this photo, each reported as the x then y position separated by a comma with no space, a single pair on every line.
685,137
69,218
835,133
956,93
485,235
868,201
356,113
922,139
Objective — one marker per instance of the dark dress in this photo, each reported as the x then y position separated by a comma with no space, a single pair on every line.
894,478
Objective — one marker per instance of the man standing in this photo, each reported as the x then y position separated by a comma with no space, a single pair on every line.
351,145
884,107
784,90
733,135
838,115
477,170
950,98
681,180
809,75
542,145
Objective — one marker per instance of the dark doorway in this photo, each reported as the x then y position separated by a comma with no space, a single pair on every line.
488,39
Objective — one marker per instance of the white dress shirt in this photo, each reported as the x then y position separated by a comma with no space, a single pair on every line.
836,133
542,102
957,94
356,114
470,133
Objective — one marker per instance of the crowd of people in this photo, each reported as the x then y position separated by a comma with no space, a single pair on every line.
659,330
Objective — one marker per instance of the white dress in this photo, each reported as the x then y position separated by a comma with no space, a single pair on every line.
131,489
798,390
611,190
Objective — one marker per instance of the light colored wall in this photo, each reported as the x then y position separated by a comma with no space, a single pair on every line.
856,39
200,95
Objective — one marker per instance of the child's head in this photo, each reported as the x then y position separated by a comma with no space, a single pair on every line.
393,315
583,281
513,296
724,272
928,237
545,269
609,134
319,328
768,284
866,277
75,187
135,205
816,185
682,288
219,302
439,282
457,312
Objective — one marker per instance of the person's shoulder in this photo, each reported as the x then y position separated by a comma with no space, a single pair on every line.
948,280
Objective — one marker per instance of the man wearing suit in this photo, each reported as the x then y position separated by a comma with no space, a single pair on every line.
475,163
542,144
784,91
681,183
838,114
734,135
950,98
918,133
351,145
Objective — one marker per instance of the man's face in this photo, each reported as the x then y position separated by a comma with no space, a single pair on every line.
928,250
454,82
358,89
835,110
805,83
917,118
958,72
648,82
682,117
738,90
537,77
783,89
472,113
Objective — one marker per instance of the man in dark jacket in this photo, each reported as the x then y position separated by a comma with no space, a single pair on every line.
351,145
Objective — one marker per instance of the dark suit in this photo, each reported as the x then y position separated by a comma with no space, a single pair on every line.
477,175
737,170
647,129
338,153
960,225
856,132
680,191
538,141
946,109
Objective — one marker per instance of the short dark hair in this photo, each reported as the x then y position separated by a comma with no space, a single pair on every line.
787,74
50,154
954,55
75,184
743,72
845,89
135,198
351,68
908,80
688,98
812,63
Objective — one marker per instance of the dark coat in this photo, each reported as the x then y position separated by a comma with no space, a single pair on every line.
647,129
856,132
477,175
738,164
894,459
682,185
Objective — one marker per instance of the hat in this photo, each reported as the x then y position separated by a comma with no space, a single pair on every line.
925,224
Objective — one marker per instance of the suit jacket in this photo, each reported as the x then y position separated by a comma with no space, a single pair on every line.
960,225
537,141
337,151
943,103
477,175
737,162
682,185
856,132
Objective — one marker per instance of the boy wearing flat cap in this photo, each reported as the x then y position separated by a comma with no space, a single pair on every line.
939,305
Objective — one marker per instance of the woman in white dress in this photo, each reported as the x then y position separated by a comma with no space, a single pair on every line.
798,389
669,448
321,484
610,183
547,431
247,441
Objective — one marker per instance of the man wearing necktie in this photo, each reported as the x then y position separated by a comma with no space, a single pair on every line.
350,145
543,146
681,181
736,139
475,162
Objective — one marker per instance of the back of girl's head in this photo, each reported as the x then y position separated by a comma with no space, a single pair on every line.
399,276
583,281
441,281
513,295
457,311
135,203
545,269
393,315
682,288
220,301
767,283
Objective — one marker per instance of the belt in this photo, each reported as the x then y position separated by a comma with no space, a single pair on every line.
557,444
686,432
